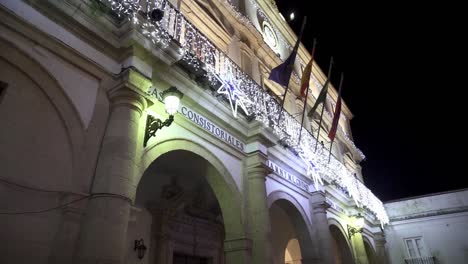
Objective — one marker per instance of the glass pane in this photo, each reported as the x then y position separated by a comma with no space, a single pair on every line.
409,245
420,247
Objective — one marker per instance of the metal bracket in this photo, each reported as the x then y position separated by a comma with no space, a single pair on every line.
154,124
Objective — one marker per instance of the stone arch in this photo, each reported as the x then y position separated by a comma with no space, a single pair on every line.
281,195
300,220
341,242
54,94
224,188
370,251
40,149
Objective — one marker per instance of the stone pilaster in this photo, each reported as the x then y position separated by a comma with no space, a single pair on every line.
259,214
234,51
104,228
319,210
379,239
255,172
256,75
359,249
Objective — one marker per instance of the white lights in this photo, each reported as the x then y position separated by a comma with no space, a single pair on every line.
171,98
241,91
291,16
230,88
172,104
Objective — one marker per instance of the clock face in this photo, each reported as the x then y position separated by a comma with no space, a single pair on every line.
270,36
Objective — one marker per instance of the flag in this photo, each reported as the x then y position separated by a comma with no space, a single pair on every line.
305,87
323,93
282,73
307,71
336,115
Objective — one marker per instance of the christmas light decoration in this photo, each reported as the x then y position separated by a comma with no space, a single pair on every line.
200,53
230,88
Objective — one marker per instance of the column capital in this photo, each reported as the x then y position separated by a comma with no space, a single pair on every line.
320,207
256,165
317,197
379,238
130,90
123,96
319,202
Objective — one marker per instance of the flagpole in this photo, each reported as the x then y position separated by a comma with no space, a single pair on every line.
292,64
324,102
307,90
339,93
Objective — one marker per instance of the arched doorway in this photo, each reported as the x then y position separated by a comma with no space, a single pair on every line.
290,231
184,207
341,249
293,254
370,252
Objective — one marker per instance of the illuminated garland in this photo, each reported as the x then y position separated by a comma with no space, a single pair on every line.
199,52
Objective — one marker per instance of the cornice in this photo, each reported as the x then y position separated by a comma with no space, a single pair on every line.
441,212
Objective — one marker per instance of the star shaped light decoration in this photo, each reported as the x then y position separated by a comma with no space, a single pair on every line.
312,170
230,88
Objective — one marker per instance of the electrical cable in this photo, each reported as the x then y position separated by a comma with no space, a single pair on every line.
54,191
29,187
65,204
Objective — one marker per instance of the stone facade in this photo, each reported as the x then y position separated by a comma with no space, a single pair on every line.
428,229
78,82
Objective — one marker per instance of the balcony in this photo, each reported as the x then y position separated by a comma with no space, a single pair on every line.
197,51
420,260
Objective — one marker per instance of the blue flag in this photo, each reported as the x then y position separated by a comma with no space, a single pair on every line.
282,73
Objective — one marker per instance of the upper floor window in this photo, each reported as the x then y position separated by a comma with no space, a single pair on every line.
415,247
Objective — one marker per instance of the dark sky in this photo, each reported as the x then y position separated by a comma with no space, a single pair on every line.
405,69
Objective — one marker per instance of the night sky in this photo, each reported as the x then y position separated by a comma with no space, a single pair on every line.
405,69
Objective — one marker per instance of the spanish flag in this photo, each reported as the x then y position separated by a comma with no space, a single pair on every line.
307,71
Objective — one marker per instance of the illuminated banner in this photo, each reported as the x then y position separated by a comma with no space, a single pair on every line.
209,126
290,178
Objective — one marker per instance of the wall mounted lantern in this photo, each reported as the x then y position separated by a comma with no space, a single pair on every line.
357,227
140,248
171,98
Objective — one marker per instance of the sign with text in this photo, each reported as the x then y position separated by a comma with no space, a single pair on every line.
286,175
213,129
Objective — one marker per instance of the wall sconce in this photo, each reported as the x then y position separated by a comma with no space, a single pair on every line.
358,226
171,98
140,248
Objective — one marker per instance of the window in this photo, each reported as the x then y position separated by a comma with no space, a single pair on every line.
415,247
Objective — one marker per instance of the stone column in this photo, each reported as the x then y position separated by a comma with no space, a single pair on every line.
359,249
104,228
259,215
319,209
379,239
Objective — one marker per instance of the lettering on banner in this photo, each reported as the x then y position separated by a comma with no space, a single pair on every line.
286,175
203,122
209,126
